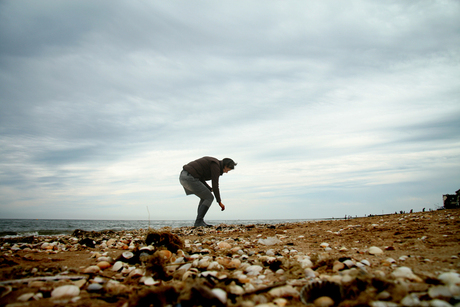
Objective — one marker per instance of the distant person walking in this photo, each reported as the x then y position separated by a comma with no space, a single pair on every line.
194,176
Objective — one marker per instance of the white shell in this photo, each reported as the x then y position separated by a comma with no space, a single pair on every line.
405,272
149,281
269,241
439,303
117,266
254,268
136,273
65,291
411,300
306,263
220,294
450,278
285,291
366,262
25,297
128,255
439,291
374,250
324,245
214,266
235,289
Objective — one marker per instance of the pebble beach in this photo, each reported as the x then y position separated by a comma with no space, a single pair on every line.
389,260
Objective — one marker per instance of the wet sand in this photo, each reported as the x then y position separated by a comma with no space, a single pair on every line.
237,260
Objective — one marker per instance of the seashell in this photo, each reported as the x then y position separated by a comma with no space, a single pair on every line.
253,268
309,273
343,249
411,300
323,301
149,281
92,269
204,263
269,241
439,303
25,297
439,292
235,289
104,258
236,249
366,262
117,266
220,294
188,274
185,267
136,273
270,252
383,296
316,289
405,272
281,302
284,291
65,291
94,287
229,263
374,250
338,266
403,258
324,245
214,266
450,278
104,265
306,263
349,263
5,290
128,255
224,245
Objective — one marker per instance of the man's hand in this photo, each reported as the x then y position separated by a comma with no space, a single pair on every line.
222,206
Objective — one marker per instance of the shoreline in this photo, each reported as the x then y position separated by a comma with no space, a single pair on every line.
5,234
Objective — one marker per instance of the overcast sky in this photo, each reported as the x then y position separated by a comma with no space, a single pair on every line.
330,108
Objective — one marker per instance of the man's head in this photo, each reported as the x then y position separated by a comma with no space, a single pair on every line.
228,164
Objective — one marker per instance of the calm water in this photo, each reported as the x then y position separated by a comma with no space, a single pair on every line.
28,227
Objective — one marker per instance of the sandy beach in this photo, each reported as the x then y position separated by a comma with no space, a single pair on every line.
391,260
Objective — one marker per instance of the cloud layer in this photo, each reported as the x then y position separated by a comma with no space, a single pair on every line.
329,108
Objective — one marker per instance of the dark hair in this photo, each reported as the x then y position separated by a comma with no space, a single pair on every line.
227,162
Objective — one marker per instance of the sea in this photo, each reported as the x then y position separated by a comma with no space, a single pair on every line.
45,227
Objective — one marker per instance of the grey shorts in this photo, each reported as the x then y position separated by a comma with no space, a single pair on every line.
193,185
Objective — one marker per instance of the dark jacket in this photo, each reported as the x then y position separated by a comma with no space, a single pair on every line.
207,168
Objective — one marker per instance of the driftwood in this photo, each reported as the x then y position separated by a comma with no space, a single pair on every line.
42,278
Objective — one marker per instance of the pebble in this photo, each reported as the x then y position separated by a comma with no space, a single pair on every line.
285,291
65,291
94,287
323,301
103,265
92,269
224,245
